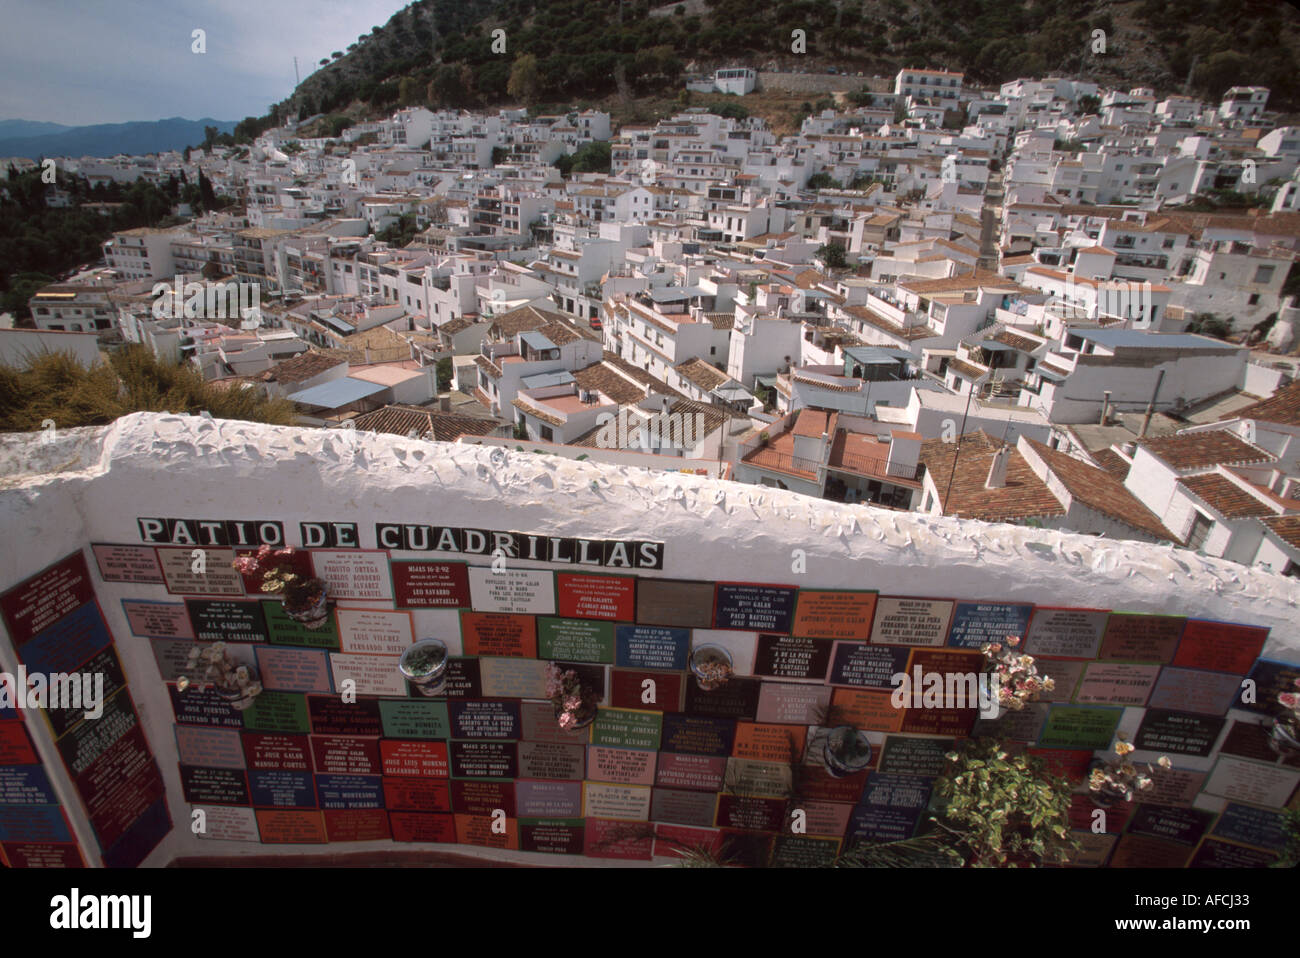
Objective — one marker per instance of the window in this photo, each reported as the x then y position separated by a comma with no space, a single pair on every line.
1201,527
1264,274
547,433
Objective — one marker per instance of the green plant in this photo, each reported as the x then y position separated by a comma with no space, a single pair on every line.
922,851
1290,856
1003,810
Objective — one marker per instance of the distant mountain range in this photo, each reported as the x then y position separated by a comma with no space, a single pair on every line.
34,139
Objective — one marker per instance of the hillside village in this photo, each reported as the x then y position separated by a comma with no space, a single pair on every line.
1003,320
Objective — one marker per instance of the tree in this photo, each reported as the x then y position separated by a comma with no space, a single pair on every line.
56,386
833,255
1089,105
822,181
1208,324
207,196
407,91
525,82
337,55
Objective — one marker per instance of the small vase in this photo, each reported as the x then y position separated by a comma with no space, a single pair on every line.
313,616
705,663
429,681
1282,739
582,718
839,764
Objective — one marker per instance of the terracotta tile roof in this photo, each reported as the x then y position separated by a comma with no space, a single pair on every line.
980,277
1112,462
1200,450
721,321
966,369
455,326
1008,338
426,423
699,373
1099,490
1282,407
640,375
1226,497
522,320
1024,496
603,377
484,363
872,318
1286,528
300,368
536,413
811,422
844,385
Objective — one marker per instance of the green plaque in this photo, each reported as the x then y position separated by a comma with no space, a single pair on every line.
1072,726
797,851
624,728
575,640
414,719
282,630
278,712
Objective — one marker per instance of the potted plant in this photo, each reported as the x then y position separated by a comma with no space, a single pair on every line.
1002,810
711,665
233,681
575,703
1284,737
847,751
424,664
304,598
1118,780
1015,675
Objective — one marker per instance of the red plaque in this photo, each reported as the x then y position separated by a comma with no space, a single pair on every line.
492,633
1219,646
610,597
421,827
357,825
15,746
426,759
628,841
417,795
286,827
483,798
346,754
629,691
277,751
430,585
479,830
41,855
37,603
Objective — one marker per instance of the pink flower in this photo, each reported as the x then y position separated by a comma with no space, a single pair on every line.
567,720
1013,640
1289,699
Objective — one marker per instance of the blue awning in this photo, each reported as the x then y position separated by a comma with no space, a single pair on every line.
337,394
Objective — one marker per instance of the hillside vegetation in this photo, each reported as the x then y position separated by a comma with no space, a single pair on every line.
439,53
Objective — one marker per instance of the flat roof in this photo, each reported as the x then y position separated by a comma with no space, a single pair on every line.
1137,339
336,394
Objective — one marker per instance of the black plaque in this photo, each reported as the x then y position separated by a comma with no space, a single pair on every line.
915,756
786,657
868,666
484,718
697,735
738,699
330,715
197,706
755,608
464,680
214,786
1182,825
227,620
1182,732
484,760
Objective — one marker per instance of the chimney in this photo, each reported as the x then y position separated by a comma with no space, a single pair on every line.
998,469
444,404
1105,407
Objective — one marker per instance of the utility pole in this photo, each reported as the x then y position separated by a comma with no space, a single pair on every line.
1151,406
297,80
957,452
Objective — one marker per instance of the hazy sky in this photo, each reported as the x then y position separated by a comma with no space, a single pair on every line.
109,61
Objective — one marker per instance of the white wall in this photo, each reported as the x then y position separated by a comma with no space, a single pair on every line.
93,484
